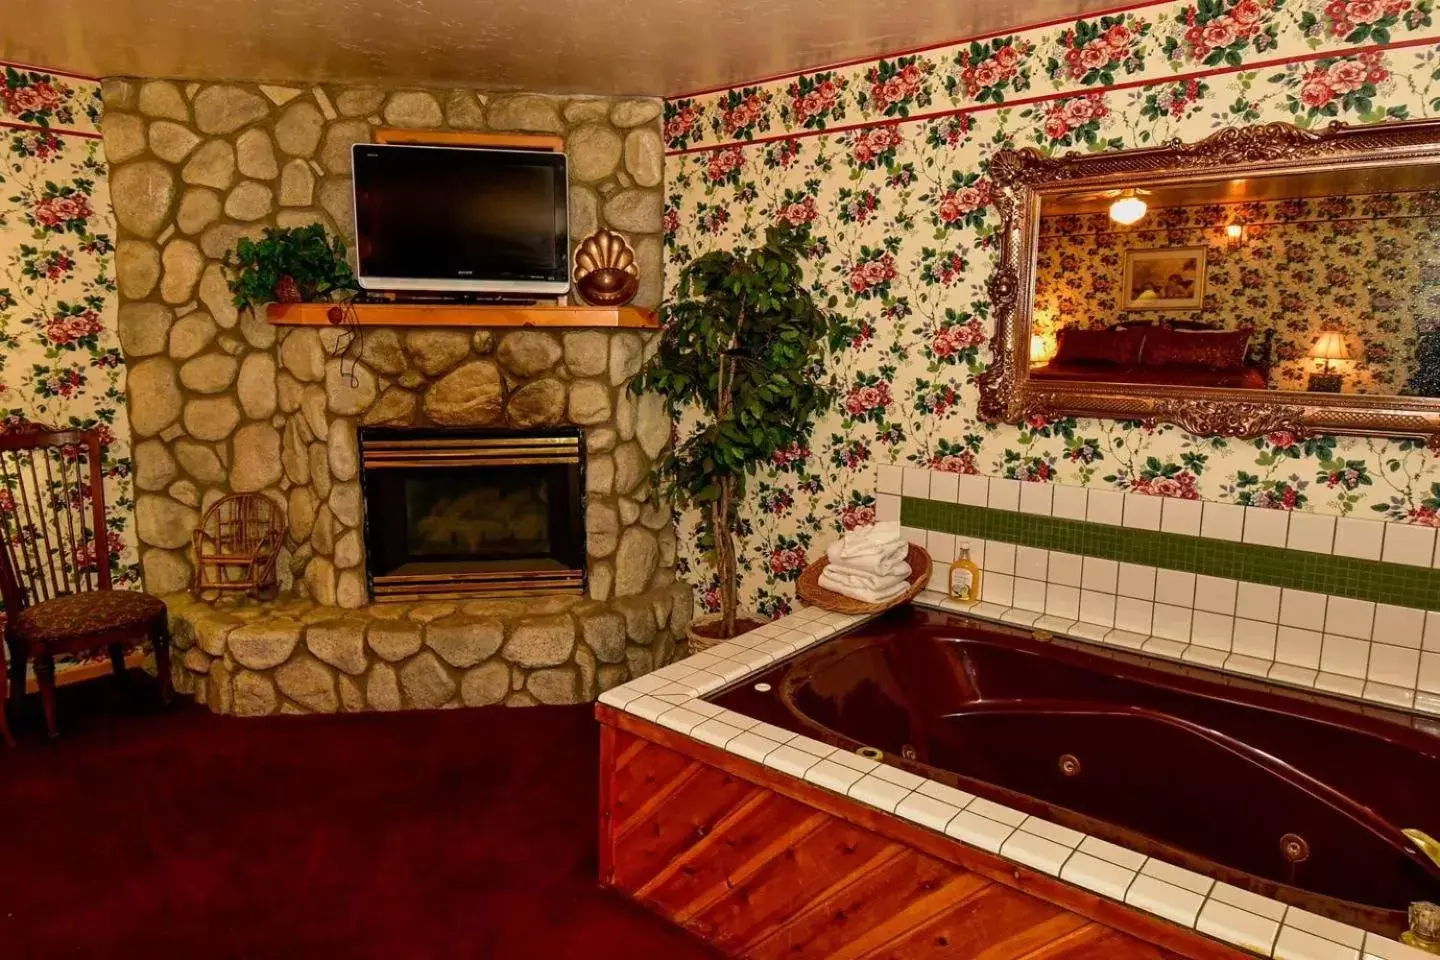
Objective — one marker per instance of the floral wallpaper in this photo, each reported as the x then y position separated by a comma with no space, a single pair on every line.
59,353
1366,266
885,164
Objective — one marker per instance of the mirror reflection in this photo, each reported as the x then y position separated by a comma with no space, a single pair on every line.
1321,281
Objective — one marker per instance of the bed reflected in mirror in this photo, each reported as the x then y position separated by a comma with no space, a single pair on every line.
1323,281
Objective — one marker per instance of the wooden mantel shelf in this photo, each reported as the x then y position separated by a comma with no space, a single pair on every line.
449,315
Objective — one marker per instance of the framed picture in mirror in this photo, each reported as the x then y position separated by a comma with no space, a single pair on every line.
1164,278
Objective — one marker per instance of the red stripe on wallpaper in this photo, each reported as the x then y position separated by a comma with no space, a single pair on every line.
1044,98
58,131
975,38
38,69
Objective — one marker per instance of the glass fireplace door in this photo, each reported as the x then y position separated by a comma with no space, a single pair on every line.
473,513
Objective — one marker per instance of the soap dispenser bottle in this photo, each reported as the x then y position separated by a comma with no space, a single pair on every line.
964,578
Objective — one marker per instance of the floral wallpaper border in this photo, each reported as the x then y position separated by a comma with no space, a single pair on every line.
1130,47
60,359
884,163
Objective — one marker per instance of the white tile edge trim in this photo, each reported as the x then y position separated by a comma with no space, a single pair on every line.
1412,693
936,819
1190,653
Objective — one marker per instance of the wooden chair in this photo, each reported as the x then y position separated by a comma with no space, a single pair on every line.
4,720
236,546
55,562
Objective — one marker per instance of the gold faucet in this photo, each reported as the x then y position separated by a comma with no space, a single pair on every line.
1424,932
1425,843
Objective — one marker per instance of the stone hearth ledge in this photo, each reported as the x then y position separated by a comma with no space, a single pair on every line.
298,656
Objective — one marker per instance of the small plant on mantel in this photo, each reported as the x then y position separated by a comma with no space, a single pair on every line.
290,265
740,365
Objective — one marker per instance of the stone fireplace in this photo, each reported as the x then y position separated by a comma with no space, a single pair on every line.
456,514
221,401
355,526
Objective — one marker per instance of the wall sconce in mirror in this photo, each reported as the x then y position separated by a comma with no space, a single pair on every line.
1330,346
1235,236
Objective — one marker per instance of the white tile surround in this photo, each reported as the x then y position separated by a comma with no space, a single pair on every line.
1353,648
1257,924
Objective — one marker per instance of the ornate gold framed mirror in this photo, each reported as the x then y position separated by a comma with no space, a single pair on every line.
1266,278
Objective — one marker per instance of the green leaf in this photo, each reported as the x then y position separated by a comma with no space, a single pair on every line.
745,333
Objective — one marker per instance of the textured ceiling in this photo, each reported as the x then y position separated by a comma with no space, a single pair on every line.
627,46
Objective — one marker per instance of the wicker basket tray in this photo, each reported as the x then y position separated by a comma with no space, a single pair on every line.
811,592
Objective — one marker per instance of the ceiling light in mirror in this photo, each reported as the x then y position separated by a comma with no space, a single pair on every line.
1128,209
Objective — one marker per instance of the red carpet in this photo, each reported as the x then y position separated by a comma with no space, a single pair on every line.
457,833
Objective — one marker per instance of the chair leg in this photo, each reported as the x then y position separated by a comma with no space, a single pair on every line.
45,680
5,711
117,660
18,657
160,641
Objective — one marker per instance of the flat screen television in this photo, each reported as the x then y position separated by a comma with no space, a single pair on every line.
461,219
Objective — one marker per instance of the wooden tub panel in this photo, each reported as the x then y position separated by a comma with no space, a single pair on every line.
764,866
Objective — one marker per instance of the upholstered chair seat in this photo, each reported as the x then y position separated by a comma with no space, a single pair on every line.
81,616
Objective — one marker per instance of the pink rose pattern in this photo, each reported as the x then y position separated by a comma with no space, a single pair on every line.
986,72
1095,52
1216,32
1366,21
1335,85
60,359
743,114
40,99
815,100
1072,121
901,233
897,87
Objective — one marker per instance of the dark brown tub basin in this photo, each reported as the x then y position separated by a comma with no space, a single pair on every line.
1296,796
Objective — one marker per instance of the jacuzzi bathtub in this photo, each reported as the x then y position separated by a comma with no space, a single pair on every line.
1295,796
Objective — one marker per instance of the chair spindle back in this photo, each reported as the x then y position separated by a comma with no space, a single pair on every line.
53,539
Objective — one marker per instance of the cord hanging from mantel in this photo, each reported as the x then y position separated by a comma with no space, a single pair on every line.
344,316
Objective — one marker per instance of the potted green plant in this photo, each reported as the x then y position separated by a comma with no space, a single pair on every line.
741,359
290,265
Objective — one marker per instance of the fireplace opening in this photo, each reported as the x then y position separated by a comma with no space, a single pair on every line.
453,514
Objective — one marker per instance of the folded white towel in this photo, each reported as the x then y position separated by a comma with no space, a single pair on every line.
860,593
864,541
886,563
871,579
881,531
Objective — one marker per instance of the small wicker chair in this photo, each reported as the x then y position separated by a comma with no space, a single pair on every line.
236,546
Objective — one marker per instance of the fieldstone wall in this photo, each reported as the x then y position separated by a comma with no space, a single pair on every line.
221,401
194,167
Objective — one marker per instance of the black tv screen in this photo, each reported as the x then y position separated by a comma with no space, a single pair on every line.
461,218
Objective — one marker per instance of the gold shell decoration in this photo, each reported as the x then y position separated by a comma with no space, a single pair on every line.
605,270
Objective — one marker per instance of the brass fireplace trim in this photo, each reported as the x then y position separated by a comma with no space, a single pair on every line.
392,588
392,450
470,452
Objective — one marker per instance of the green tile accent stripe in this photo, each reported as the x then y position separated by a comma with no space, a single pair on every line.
1397,583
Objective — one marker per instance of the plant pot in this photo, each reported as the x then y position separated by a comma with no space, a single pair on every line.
287,290
704,632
